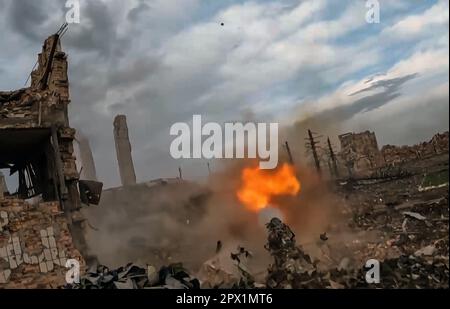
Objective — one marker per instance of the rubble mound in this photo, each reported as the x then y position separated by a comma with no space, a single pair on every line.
132,276
291,265
293,268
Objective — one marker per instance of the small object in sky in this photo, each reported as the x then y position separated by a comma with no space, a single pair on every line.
219,246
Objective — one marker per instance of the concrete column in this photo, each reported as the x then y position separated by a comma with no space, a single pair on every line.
123,150
87,159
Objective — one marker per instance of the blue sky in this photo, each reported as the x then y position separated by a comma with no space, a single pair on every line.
161,61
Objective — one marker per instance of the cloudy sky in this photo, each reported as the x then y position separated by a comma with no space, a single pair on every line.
161,61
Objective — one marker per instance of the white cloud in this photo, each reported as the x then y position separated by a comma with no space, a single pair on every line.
420,24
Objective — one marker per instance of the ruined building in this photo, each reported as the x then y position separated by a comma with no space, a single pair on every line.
398,154
40,224
359,152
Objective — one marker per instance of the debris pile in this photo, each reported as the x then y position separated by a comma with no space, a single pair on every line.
404,272
291,265
414,272
132,276
427,268
246,280
292,269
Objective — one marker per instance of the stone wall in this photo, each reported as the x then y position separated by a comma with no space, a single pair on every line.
35,243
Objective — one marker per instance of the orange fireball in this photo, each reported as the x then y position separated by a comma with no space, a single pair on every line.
260,186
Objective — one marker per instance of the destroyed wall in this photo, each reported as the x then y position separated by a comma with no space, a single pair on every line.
398,154
35,243
44,103
36,142
42,108
359,152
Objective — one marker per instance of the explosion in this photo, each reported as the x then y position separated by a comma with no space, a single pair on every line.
260,186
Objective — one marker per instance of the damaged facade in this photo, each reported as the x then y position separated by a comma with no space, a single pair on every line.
35,243
360,152
36,144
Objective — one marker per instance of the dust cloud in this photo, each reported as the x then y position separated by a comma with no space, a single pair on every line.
179,221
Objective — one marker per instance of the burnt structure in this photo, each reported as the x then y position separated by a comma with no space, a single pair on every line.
36,144
123,150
